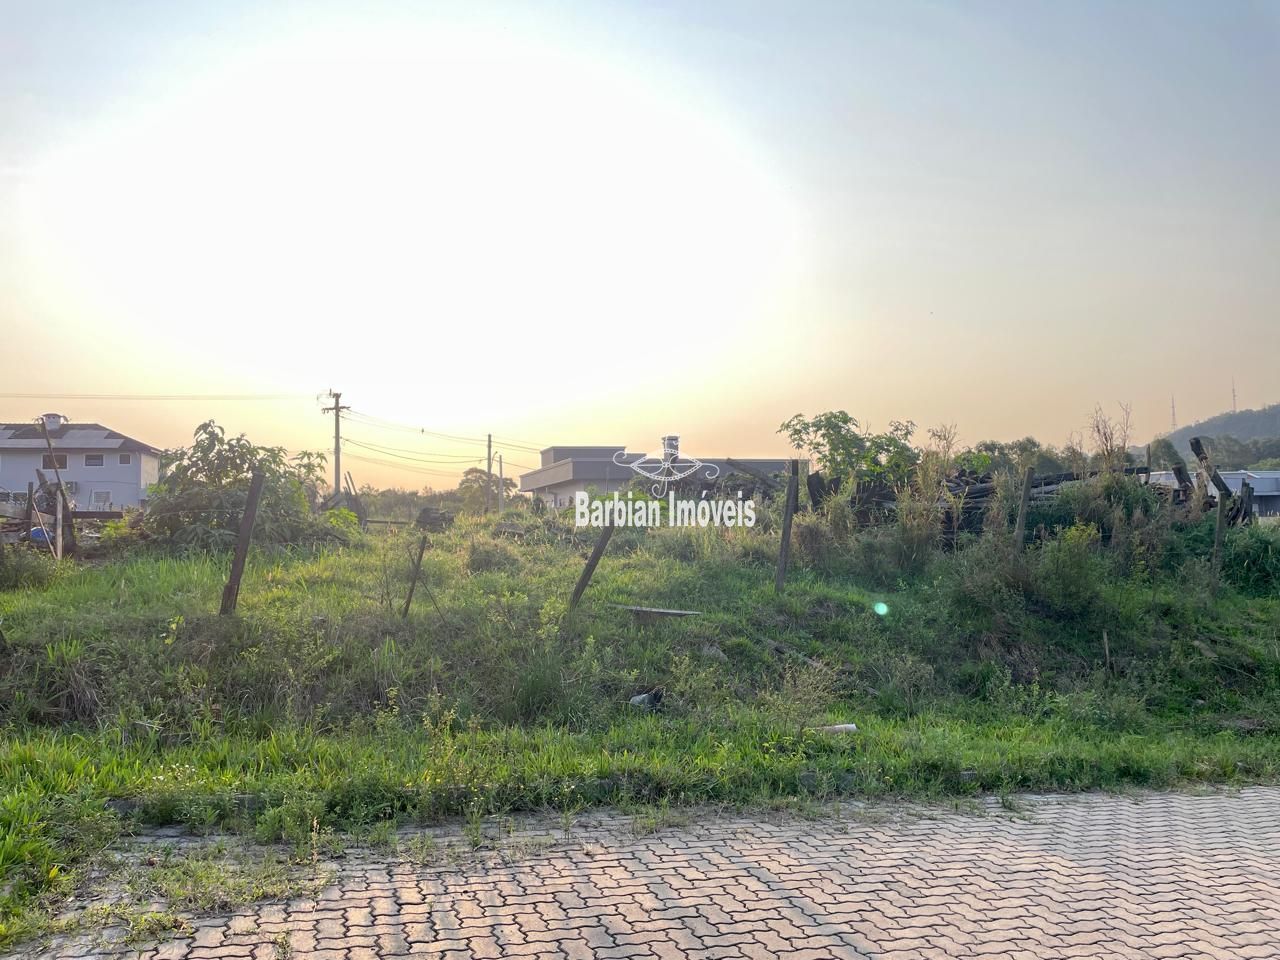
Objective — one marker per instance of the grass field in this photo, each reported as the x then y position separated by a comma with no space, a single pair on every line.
1107,656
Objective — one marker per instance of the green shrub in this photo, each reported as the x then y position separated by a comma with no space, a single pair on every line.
1251,559
1068,572
812,541
23,568
202,494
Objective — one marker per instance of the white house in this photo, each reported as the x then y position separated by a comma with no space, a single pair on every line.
102,469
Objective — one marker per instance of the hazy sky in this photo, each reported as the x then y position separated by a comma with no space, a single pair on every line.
604,222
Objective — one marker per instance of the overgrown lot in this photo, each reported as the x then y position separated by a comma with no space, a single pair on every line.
1106,653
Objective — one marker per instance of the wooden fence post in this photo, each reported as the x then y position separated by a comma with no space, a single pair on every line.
596,553
1219,529
1019,528
57,529
62,491
31,496
788,510
231,593
413,581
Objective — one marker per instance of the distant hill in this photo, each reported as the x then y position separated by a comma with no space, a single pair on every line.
1243,425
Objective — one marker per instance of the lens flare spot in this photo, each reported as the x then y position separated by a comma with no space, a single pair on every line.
881,608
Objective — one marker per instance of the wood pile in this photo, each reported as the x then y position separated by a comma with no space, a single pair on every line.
433,520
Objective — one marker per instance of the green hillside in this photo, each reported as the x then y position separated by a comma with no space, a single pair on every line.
1243,425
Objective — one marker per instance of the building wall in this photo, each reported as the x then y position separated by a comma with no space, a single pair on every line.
1265,483
560,495
122,485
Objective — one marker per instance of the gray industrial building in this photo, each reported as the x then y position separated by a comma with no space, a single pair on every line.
567,470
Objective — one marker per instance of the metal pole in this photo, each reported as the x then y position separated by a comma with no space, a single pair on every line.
500,483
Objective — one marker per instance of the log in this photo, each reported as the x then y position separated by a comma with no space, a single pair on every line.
596,553
1184,479
1020,527
1219,531
1210,471
231,592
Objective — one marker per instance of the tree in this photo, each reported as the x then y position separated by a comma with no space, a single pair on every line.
1228,453
995,456
1164,455
203,489
843,449
1110,438
473,485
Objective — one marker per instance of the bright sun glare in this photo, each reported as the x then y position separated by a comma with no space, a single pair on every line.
450,189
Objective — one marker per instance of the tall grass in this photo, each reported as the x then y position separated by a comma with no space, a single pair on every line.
981,666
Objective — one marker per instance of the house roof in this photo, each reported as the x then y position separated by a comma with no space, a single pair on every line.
69,436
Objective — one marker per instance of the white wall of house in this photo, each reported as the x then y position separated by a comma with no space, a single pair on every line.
104,479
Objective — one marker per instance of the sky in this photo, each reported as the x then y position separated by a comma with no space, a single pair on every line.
607,222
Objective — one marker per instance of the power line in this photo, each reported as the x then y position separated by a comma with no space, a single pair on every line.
154,396
394,425
405,467
401,454
507,441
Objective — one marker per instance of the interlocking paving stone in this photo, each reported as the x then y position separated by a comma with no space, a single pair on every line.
1150,876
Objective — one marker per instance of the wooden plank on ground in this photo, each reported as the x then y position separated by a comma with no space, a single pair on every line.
650,614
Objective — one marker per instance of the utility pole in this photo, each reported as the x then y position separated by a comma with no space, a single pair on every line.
500,483
337,409
488,483
1173,415
1233,394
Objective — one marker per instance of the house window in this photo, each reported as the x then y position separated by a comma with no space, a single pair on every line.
93,459
55,461
126,458
101,498
4,496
